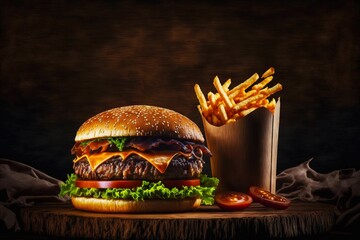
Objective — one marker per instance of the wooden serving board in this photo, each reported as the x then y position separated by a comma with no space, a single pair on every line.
207,222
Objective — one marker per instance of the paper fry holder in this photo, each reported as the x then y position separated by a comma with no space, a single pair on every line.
245,152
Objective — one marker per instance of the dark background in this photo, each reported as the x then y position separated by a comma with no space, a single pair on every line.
65,61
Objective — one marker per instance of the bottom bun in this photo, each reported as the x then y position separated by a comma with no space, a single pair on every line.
129,206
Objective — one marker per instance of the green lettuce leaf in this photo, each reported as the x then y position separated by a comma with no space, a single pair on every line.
119,142
148,190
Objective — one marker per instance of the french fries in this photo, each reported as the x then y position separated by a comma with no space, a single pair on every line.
227,105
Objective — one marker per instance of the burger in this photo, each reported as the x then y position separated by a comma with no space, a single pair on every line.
139,158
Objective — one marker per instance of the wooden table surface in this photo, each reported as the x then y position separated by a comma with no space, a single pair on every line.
207,222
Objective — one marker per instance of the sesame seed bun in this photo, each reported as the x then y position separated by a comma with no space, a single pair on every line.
131,206
139,120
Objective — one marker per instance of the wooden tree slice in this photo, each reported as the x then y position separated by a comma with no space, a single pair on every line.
62,220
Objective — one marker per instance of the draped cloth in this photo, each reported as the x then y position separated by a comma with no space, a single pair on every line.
23,185
340,187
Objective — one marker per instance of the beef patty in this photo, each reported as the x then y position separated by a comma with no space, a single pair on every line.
135,167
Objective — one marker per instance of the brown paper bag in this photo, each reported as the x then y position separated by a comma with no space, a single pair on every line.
245,152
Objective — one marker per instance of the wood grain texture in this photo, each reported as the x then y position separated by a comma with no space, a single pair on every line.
65,61
62,220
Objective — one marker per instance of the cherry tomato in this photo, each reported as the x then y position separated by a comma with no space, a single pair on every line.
169,183
268,199
232,201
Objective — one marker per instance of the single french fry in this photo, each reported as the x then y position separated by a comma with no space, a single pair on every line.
200,96
274,89
233,94
212,99
231,120
242,104
237,92
226,85
222,111
250,81
244,85
209,94
247,95
222,93
268,72
262,83
247,111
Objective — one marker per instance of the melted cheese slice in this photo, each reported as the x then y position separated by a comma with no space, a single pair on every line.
159,160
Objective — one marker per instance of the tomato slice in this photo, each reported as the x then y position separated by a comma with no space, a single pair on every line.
108,184
268,199
169,183
232,201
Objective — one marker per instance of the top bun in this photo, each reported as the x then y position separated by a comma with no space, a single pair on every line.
139,120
